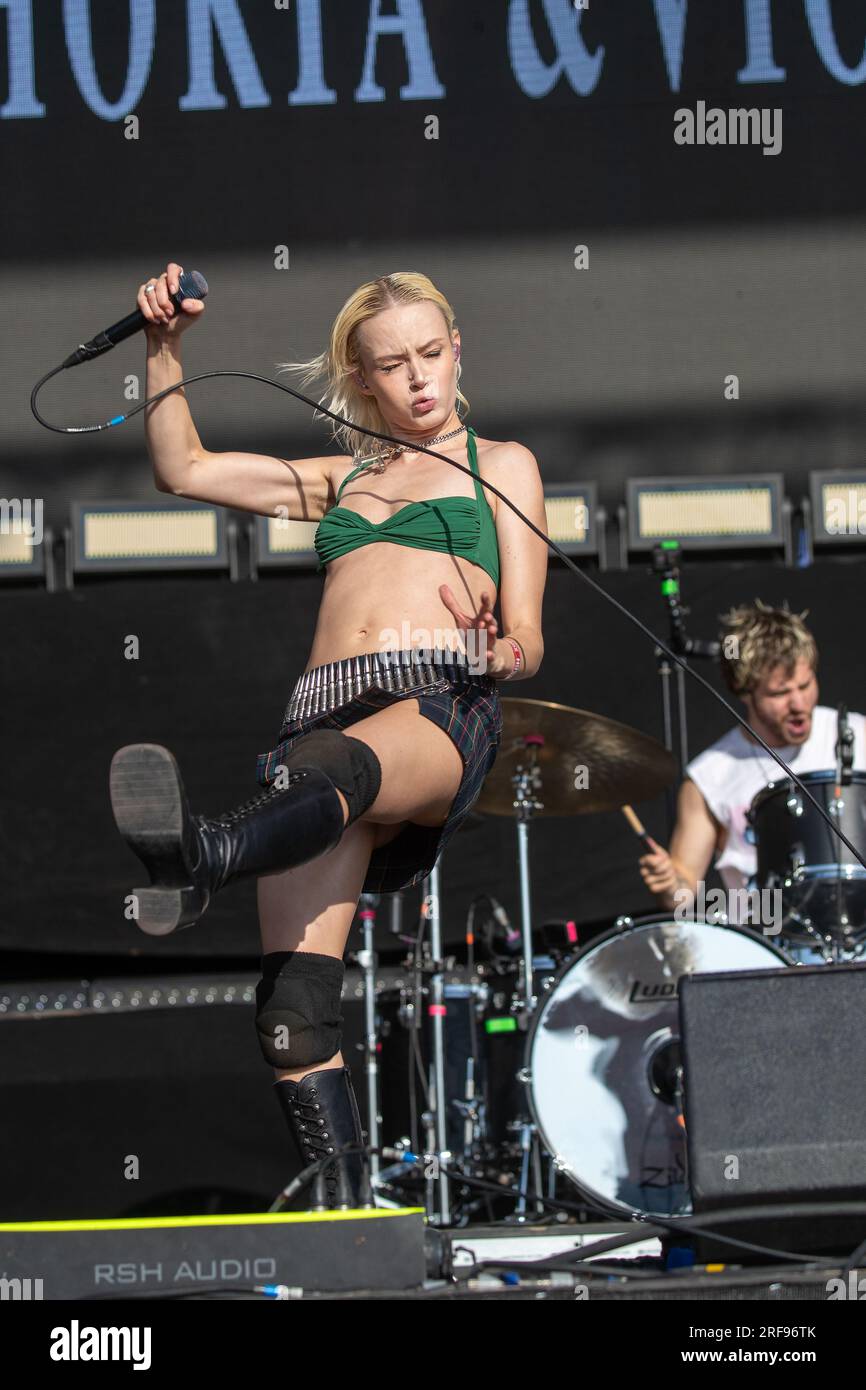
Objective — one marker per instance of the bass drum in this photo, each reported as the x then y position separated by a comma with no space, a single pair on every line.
603,1054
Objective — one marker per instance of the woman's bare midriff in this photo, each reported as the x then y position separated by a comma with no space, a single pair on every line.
385,596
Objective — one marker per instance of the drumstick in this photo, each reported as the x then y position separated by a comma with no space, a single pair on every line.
638,829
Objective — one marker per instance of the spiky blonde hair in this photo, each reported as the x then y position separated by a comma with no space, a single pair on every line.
756,637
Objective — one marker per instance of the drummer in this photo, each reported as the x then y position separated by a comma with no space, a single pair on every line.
769,660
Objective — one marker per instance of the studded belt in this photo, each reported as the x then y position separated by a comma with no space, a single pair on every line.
415,669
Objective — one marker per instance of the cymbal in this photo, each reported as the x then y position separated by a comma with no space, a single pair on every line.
584,763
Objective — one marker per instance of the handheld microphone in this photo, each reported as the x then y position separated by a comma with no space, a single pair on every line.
191,285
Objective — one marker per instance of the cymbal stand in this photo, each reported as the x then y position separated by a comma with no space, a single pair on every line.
368,962
526,782
436,1009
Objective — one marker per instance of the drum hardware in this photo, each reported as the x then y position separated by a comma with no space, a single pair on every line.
367,960
822,885
431,909
824,945
525,781
530,1161
556,760
473,1110
844,749
433,1119
713,919
803,932
484,1046
433,1172
543,749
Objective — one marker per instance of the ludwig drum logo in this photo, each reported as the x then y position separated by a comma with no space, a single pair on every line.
650,992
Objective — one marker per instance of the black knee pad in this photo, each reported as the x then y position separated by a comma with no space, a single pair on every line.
349,762
298,1017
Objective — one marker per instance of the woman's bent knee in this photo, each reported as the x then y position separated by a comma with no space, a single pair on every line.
351,765
422,768
298,1018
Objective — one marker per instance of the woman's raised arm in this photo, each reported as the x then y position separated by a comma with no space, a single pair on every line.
298,490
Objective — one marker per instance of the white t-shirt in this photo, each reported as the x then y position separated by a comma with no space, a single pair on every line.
732,770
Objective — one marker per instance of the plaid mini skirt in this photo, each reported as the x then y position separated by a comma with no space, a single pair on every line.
469,710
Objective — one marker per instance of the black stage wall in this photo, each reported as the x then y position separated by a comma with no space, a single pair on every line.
216,664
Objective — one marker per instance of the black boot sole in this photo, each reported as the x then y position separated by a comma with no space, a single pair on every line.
150,809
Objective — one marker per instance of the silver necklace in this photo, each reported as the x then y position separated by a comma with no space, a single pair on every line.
772,773
384,459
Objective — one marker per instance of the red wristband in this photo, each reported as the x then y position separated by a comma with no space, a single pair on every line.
518,658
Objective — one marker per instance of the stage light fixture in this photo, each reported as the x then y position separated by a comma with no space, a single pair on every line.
575,520
277,542
26,551
834,513
745,512
119,536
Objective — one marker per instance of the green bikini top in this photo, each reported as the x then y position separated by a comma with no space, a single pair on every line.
458,525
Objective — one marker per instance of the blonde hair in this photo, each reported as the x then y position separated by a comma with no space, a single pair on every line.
756,637
342,358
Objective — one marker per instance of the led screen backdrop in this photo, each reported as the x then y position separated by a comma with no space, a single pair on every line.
330,120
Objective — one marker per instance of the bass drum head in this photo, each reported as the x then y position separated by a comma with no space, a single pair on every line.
603,1051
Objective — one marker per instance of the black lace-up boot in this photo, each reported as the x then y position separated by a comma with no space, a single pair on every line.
322,1114
189,858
